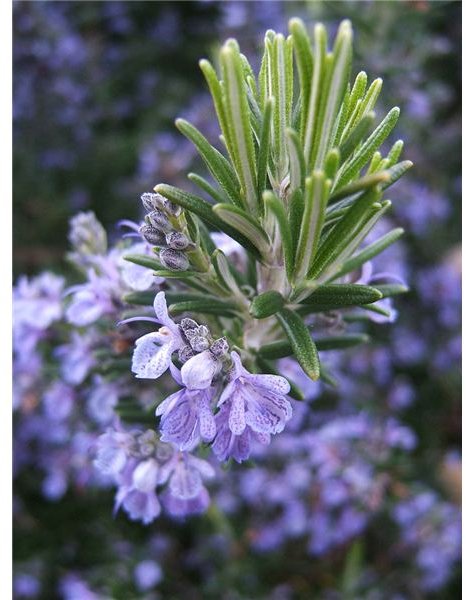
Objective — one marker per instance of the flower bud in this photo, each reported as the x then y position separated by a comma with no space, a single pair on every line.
173,259
185,353
157,219
187,324
219,347
151,201
177,240
199,344
172,209
203,331
145,475
152,235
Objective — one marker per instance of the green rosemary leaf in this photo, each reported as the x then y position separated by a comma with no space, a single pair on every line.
395,152
357,91
266,304
360,158
391,289
141,298
357,134
202,183
206,241
309,124
296,160
343,232
315,201
264,148
238,114
338,83
332,296
301,342
332,162
224,273
296,216
209,306
175,274
282,348
362,184
273,204
396,172
340,342
215,88
247,225
217,164
143,261
304,62
369,252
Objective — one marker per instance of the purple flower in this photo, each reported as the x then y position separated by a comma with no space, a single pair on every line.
136,492
250,403
152,355
197,373
90,301
257,401
147,574
187,418
185,493
58,401
76,358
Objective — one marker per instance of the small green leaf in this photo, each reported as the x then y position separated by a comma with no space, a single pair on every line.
216,194
300,339
217,164
143,261
369,252
247,225
361,184
211,306
264,148
296,217
296,158
142,298
332,162
315,201
332,296
395,152
391,289
266,304
282,348
365,152
304,61
343,232
318,74
238,115
224,273
273,204
175,274
357,135
396,171
338,81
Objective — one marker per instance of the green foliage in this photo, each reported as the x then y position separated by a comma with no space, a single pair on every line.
299,184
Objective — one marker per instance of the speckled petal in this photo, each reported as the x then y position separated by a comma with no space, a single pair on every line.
150,360
236,420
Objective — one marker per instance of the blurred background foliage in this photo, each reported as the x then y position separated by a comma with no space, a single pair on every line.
97,86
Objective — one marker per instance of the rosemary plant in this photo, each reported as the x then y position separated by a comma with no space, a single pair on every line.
299,184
